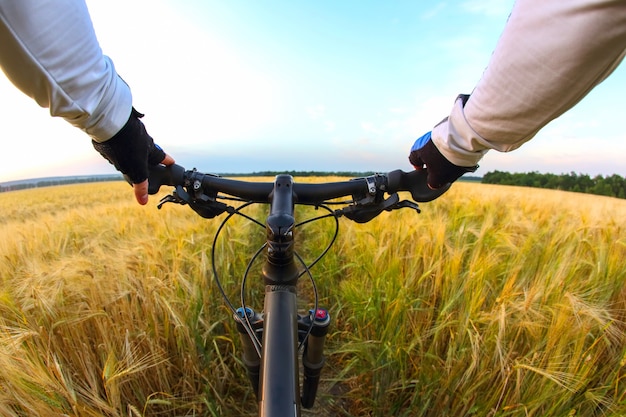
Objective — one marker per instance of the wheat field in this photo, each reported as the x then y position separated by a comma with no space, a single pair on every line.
495,301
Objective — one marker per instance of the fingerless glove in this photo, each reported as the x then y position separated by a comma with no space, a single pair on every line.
131,150
425,155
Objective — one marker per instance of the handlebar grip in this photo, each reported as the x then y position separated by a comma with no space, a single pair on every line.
165,175
415,183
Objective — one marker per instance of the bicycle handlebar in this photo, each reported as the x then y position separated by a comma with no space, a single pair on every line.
392,182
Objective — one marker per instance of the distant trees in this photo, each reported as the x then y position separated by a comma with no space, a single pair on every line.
612,186
48,182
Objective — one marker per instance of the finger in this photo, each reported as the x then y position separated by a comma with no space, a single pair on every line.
168,160
418,165
416,160
141,192
434,182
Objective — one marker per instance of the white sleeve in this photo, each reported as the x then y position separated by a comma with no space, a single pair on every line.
49,50
551,54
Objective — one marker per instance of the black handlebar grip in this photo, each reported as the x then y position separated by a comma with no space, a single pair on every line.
415,183
165,175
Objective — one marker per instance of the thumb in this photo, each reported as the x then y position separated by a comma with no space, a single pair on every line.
141,192
168,160
141,189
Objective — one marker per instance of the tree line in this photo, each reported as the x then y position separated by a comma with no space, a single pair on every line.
612,186
48,182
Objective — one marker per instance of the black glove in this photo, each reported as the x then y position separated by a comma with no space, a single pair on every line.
424,154
131,150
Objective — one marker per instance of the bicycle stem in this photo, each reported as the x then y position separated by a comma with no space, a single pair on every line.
280,267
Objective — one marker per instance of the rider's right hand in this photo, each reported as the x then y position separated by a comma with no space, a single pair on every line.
441,172
131,151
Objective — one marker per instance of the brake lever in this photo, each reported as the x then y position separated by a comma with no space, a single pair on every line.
363,213
169,199
406,204
202,204
178,196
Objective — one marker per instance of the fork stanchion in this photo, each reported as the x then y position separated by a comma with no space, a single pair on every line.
250,357
313,357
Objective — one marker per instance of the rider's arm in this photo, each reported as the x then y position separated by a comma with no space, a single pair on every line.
49,51
550,55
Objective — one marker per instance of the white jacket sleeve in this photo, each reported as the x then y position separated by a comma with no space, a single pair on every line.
49,50
550,55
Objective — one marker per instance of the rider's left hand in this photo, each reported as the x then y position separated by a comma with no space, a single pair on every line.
131,151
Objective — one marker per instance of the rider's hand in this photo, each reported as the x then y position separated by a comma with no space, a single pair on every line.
131,151
425,155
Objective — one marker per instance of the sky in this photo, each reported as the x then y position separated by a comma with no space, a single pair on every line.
244,86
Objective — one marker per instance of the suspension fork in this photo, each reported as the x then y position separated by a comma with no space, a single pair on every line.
313,359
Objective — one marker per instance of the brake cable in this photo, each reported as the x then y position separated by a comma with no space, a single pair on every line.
306,268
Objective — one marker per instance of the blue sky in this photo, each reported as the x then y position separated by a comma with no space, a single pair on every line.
242,86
